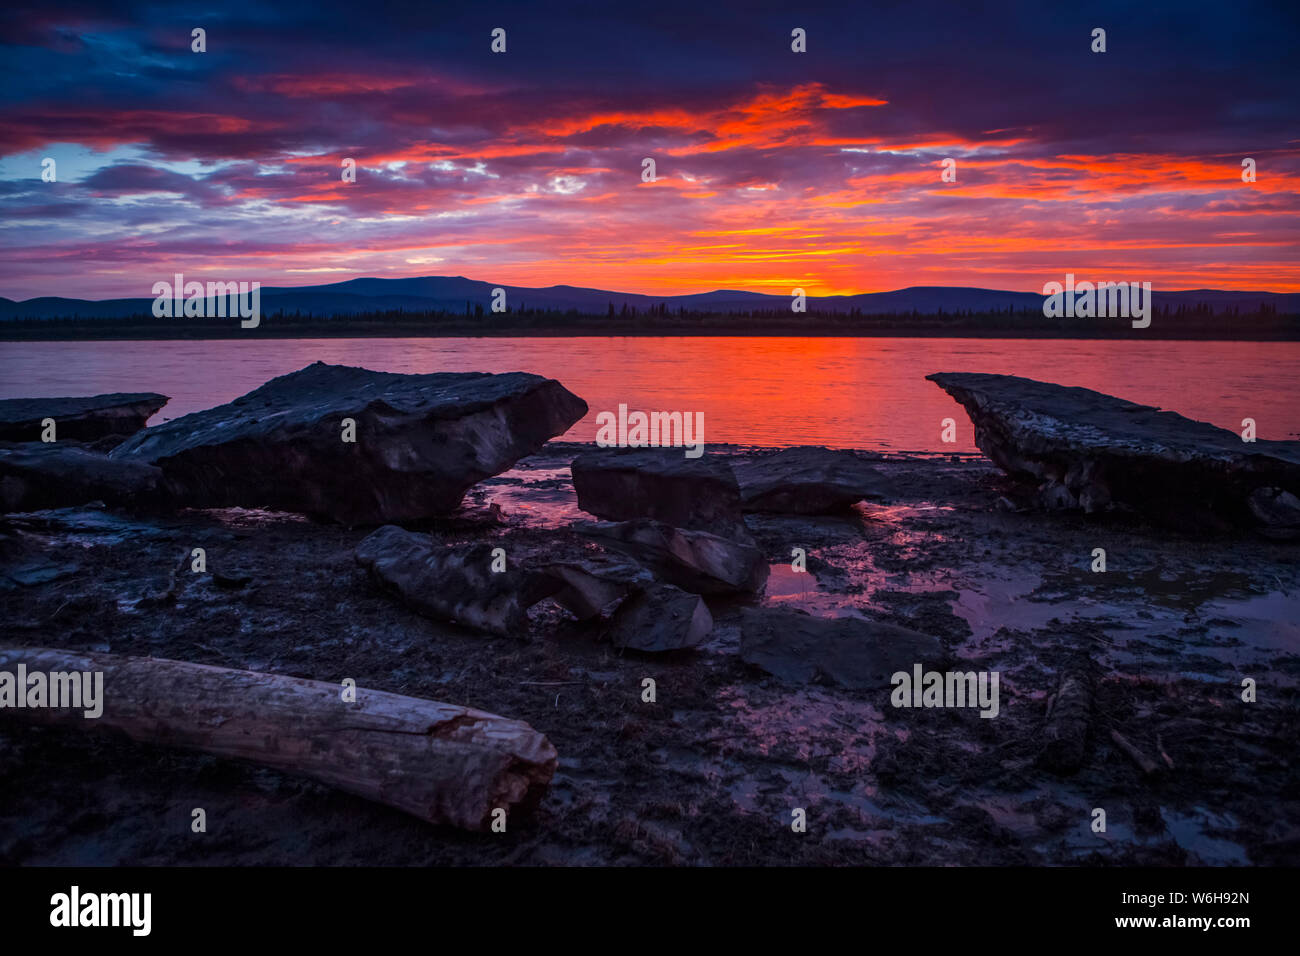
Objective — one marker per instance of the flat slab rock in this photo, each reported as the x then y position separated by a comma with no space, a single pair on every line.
84,418
845,652
25,563
1091,450
700,494
37,476
421,441
808,481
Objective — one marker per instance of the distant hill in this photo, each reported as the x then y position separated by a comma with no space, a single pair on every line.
454,293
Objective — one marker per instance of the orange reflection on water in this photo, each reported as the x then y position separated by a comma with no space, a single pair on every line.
840,392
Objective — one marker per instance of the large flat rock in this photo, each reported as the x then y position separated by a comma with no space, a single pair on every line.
807,481
84,418
421,441
37,476
845,652
700,494
1091,450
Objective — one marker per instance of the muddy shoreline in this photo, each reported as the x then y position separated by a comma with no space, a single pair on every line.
709,773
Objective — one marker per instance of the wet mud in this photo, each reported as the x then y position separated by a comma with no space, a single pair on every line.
710,772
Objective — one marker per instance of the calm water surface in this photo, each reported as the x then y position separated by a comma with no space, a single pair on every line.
841,392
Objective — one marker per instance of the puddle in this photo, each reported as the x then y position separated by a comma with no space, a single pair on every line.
538,497
1266,622
1188,831
254,518
801,590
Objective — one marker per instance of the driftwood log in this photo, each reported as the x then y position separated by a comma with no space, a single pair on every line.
440,762
1065,734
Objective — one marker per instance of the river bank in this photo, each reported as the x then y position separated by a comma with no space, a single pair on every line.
710,772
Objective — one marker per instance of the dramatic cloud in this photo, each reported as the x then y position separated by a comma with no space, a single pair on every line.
774,169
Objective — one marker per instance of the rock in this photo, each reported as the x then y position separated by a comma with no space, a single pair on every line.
590,585
661,618
808,481
697,561
453,583
1055,496
231,582
36,476
107,528
28,570
28,575
699,494
1277,511
106,444
845,652
421,441
1096,452
78,419
25,563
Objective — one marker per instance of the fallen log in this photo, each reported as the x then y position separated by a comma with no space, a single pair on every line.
1065,733
439,762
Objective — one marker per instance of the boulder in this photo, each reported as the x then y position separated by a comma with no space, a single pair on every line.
696,561
453,583
1277,511
421,441
845,652
37,476
699,494
84,418
807,481
589,585
1093,451
661,618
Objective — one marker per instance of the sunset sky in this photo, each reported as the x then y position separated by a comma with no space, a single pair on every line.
776,169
